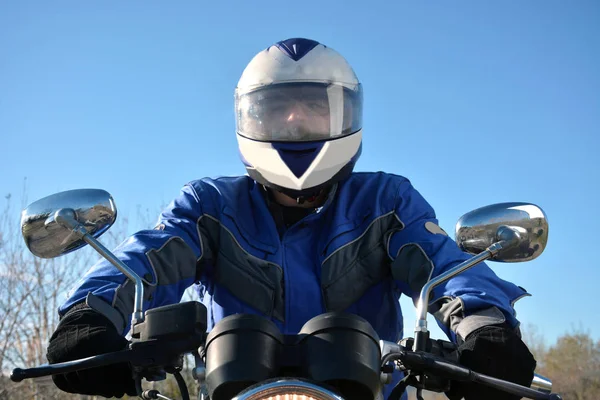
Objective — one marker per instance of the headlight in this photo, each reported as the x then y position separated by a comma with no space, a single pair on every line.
287,389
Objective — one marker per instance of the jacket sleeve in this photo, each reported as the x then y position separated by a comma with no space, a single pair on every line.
422,250
166,258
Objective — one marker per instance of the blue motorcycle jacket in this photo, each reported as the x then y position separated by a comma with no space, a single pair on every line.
374,239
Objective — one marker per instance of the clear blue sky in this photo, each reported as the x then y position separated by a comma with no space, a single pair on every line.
476,102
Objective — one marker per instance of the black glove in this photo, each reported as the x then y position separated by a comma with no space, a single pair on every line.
82,333
495,351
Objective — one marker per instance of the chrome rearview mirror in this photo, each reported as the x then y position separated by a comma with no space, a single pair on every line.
66,221
94,209
509,232
479,229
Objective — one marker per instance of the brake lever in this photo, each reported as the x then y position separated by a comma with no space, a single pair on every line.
18,374
513,388
421,362
140,354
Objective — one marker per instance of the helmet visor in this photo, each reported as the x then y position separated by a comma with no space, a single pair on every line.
299,111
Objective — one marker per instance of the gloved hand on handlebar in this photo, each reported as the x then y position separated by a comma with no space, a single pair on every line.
83,332
495,351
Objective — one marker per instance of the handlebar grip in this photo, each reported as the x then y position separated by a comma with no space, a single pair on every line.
514,388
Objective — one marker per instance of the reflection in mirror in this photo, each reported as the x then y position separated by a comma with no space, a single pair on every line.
480,228
94,209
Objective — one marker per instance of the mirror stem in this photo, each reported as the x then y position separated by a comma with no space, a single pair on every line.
421,332
67,218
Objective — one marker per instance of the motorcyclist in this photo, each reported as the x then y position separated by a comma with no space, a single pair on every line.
300,235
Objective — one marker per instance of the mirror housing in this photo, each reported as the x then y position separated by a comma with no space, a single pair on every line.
94,209
527,223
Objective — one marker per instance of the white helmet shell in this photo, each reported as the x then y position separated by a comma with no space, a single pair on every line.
297,60
299,117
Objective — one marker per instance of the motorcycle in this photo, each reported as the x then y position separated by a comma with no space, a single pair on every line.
335,356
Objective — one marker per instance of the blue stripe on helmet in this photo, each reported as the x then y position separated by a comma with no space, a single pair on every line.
296,48
298,156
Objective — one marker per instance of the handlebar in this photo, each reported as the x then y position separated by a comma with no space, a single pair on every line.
154,353
426,362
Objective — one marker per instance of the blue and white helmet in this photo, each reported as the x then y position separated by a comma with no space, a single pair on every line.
298,112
